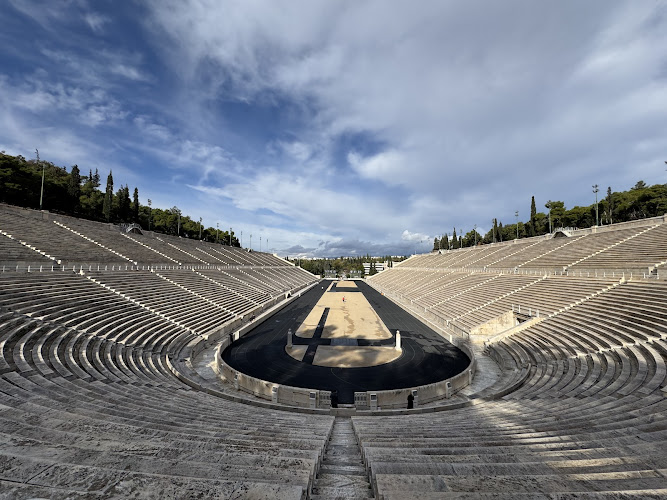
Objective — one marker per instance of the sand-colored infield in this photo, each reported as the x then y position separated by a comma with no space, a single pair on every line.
346,284
297,351
354,357
353,318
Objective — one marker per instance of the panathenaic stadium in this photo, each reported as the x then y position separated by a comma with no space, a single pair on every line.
138,365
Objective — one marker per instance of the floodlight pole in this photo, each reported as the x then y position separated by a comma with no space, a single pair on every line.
597,217
200,228
516,214
250,241
217,231
41,194
548,205
475,234
150,213
241,241
230,237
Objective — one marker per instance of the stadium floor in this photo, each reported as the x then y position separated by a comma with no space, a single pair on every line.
426,356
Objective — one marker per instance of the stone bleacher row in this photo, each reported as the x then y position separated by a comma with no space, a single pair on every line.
90,406
590,418
83,415
614,250
580,410
66,240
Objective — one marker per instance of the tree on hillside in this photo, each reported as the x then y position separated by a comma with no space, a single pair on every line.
122,205
436,244
74,188
610,207
135,206
108,198
455,240
496,233
444,242
532,230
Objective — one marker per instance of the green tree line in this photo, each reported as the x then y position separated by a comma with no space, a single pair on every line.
639,202
344,265
71,193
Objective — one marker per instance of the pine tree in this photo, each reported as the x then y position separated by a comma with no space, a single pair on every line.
108,198
444,242
135,205
96,179
455,240
533,218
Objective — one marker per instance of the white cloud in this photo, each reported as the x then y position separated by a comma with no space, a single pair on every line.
408,236
95,21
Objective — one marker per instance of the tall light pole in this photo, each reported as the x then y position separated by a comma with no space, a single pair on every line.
178,229
217,231
41,193
230,237
475,234
150,213
250,241
548,205
200,228
241,242
516,214
595,190
260,243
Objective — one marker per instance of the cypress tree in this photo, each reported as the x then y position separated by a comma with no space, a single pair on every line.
108,198
495,230
455,240
135,206
533,217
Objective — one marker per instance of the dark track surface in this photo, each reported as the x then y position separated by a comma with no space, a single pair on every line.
426,357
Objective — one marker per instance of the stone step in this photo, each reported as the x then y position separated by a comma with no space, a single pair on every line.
338,450
342,481
342,460
356,470
335,492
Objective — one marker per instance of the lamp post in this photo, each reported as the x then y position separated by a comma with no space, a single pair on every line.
250,241
241,242
41,193
516,214
597,217
217,231
230,237
548,205
200,228
150,213
260,243
475,234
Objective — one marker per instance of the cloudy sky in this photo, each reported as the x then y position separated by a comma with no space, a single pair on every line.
342,127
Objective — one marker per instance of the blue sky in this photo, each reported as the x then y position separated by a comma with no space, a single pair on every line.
342,128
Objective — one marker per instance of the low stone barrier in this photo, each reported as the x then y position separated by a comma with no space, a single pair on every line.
397,398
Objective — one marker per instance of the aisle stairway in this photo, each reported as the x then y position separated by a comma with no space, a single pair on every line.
342,474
